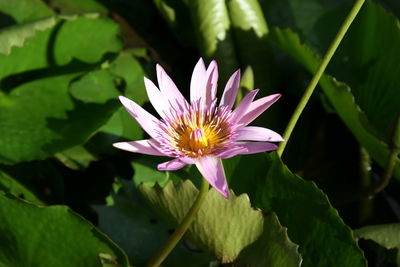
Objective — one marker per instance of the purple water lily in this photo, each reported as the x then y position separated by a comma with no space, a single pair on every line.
203,131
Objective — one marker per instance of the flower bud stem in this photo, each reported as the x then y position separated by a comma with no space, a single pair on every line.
314,81
160,256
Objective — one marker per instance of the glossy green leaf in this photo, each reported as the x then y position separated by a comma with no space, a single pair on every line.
39,119
339,95
129,69
96,36
146,171
140,233
38,116
60,45
212,26
76,157
12,186
78,7
272,248
313,224
17,34
95,87
50,236
25,10
386,235
38,182
222,226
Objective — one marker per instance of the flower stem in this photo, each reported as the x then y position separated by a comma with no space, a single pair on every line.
314,81
390,162
160,256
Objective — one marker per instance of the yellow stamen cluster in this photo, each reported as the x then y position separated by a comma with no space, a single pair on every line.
198,133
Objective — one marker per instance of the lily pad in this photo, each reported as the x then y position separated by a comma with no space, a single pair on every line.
224,227
50,236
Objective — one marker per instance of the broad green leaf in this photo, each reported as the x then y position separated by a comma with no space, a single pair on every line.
17,34
339,94
141,233
85,38
386,235
38,182
222,226
146,171
76,157
12,186
50,236
272,248
38,117
212,26
95,87
313,224
78,6
25,10
121,123
251,44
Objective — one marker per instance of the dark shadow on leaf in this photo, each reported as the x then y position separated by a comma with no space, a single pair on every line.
75,66
40,177
6,21
79,124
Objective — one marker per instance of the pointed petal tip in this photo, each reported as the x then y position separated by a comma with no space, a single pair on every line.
226,193
277,95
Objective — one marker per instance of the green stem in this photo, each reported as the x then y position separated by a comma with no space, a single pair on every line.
160,256
313,83
390,163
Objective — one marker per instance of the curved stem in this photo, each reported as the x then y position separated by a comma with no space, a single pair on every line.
160,256
313,83
390,162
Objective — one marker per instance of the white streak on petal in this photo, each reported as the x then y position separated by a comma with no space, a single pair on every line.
212,82
141,146
231,90
156,98
198,82
257,147
254,133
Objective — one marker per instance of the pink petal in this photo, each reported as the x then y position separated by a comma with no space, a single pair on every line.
171,165
254,133
231,90
244,105
156,98
168,88
212,81
257,107
231,152
141,146
257,147
212,170
197,84
147,121
187,160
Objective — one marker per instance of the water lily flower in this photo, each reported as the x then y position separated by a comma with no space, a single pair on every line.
202,131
